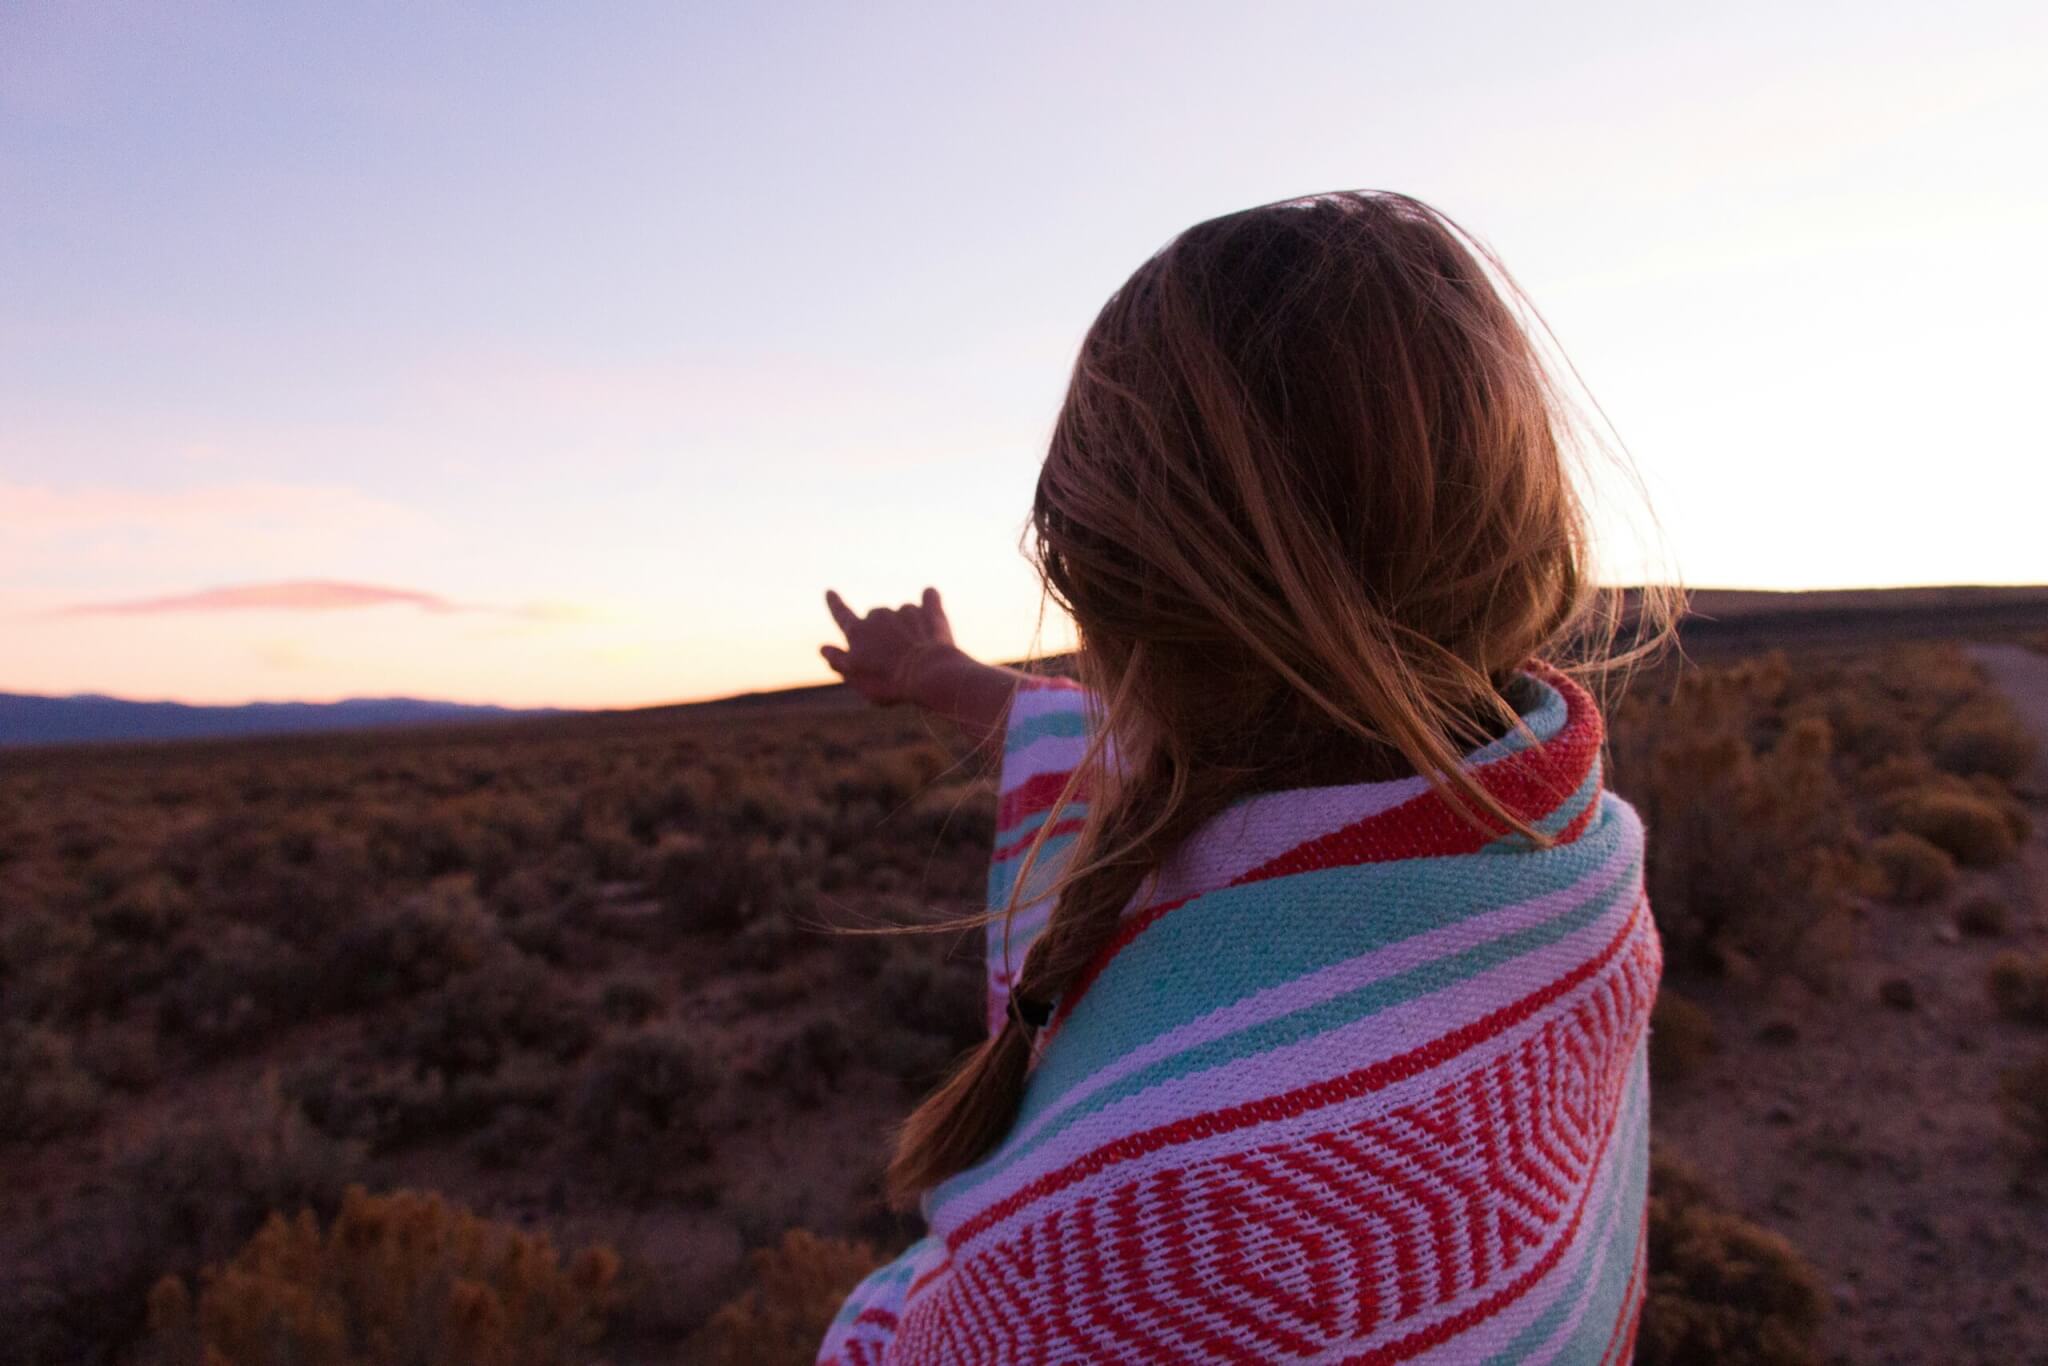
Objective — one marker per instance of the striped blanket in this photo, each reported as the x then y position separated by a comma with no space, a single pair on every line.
1354,1084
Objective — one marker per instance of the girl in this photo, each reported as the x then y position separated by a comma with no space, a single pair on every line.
1319,960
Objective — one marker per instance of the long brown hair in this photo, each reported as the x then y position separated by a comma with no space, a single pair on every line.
1309,502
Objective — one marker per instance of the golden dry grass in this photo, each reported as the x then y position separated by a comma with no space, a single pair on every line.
781,1317
398,1278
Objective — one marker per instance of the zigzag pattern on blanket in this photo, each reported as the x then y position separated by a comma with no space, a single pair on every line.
1356,1084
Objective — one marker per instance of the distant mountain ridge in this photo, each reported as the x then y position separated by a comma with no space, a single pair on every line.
85,718
1722,621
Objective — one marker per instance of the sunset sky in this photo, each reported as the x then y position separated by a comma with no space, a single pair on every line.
566,354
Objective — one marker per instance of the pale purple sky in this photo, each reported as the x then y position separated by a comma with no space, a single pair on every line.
567,353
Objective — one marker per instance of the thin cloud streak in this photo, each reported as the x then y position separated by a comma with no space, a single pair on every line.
309,595
305,595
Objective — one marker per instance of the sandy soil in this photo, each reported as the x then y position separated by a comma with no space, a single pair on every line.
1870,1134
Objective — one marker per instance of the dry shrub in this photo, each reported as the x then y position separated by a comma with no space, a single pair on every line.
629,1001
1987,916
798,1288
2017,817
1970,826
718,883
1722,1290
642,1107
236,988
44,1091
951,816
2019,986
805,1066
2023,1096
1868,734
482,1018
1753,847
515,1137
151,909
399,1278
1681,1036
393,1108
935,988
411,947
1984,736
1893,773
122,1056
889,778
41,957
1909,868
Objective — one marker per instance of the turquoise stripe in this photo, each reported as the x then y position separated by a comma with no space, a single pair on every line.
873,1289
1546,719
1063,1070
1071,725
1237,941
1002,876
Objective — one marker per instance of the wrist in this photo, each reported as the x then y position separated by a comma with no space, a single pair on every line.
930,672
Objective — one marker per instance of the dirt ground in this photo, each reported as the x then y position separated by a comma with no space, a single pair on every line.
1870,1134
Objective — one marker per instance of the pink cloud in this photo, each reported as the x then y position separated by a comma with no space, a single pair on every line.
320,595
305,595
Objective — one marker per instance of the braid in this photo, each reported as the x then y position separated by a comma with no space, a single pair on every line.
1125,838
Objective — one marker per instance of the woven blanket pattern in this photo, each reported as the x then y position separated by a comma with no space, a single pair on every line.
1354,1082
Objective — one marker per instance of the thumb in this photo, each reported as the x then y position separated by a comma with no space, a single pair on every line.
934,608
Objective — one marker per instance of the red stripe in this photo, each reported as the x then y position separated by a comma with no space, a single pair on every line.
1435,1054
881,1318
1530,782
1635,1322
928,1277
1035,794
1578,824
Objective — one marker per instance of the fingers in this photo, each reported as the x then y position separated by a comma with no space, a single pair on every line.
841,613
835,657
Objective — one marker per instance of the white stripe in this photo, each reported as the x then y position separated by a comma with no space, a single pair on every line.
1046,754
1032,701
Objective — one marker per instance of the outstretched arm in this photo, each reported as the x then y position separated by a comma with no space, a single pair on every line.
907,654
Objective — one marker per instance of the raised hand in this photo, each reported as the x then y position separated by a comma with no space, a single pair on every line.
886,649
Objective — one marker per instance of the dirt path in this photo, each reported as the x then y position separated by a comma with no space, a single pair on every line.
1870,1135
2022,674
